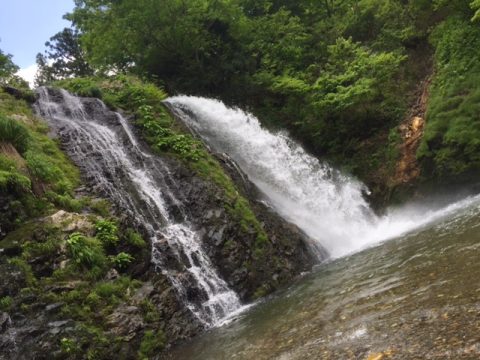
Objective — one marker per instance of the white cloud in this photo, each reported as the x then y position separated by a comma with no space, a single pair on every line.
28,74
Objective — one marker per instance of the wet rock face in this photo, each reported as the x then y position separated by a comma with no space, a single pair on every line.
37,333
231,248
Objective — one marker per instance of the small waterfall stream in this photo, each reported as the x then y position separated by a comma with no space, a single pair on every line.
104,146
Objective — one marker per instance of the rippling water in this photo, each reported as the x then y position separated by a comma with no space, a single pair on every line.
414,297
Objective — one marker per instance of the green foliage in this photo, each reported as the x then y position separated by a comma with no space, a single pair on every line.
149,311
337,74
107,232
122,260
68,346
41,167
14,133
86,252
134,239
86,87
63,58
475,4
6,303
14,180
101,207
7,68
451,144
117,289
152,343
38,176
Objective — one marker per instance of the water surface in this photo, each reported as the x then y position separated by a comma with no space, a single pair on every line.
414,297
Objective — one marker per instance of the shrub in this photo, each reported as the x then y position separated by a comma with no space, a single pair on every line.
85,251
14,133
122,260
107,232
86,87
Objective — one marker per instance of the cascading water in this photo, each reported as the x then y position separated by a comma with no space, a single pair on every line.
104,146
327,205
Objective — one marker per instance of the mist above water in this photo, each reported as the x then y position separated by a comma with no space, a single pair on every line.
326,204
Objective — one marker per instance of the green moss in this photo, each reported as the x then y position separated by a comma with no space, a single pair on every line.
69,346
101,207
26,269
149,311
260,292
152,343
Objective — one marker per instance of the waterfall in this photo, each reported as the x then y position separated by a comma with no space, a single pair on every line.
327,205
104,146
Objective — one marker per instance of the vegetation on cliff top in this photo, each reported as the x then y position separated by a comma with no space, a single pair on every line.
339,75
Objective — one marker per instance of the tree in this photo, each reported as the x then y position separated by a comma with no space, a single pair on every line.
63,58
476,7
174,40
7,68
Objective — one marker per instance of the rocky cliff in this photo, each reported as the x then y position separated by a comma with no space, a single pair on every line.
79,277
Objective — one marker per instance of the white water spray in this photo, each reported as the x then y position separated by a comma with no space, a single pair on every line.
327,205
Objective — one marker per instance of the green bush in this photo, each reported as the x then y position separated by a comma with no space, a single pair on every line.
86,87
13,132
86,252
122,260
107,232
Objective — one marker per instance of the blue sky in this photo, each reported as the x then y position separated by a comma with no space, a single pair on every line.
25,26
